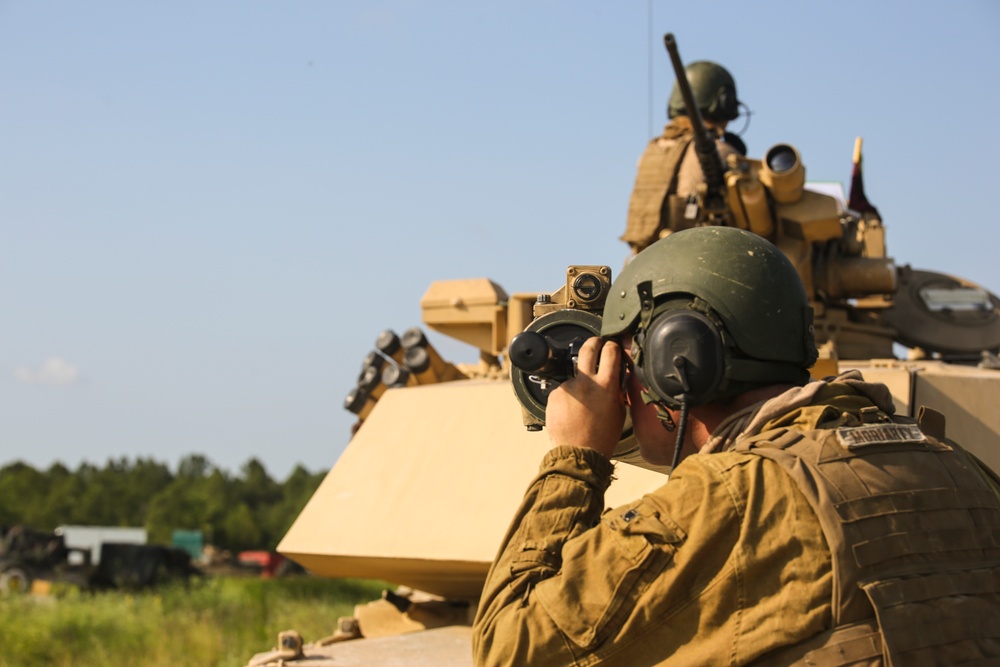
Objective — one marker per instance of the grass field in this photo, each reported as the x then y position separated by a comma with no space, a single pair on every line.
216,621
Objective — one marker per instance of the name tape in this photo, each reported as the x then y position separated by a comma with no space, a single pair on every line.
879,434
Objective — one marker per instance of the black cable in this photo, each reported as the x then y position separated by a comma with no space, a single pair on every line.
681,431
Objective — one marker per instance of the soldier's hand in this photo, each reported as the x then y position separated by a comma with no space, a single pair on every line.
588,410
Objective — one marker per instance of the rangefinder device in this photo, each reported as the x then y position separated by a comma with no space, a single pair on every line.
545,353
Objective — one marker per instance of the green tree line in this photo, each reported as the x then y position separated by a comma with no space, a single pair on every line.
248,510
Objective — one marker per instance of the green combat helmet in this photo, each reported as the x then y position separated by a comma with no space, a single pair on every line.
713,311
714,90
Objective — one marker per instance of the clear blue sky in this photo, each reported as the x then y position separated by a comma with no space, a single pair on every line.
209,210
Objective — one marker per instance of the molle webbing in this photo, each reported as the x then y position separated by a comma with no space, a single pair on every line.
649,208
914,533
855,645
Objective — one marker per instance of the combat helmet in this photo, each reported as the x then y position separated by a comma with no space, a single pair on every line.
714,90
713,311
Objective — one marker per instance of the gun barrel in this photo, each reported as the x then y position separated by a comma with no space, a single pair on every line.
704,145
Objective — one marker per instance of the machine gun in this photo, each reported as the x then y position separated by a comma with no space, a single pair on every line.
710,206
863,302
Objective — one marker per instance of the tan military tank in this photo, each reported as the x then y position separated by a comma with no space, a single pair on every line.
442,452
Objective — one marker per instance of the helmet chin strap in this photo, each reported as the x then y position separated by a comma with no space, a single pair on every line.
669,425
666,421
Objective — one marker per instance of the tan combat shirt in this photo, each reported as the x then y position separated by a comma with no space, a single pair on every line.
721,565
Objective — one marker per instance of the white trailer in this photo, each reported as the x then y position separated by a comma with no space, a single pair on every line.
92,537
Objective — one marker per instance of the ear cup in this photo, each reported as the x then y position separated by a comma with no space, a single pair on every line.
682,358
725,106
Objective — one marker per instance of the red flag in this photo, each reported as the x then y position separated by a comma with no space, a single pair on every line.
857,201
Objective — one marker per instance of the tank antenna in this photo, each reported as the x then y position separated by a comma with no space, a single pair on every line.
649,66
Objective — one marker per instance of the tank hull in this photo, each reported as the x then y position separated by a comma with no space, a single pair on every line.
424,492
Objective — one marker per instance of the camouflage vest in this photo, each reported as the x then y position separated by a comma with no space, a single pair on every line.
649,210
913,525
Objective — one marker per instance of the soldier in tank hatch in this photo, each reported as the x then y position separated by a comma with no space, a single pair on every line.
669,171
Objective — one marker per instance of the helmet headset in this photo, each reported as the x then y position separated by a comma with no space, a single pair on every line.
713,312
